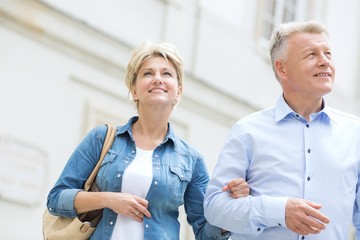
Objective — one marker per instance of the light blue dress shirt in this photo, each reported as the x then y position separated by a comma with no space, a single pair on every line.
281,155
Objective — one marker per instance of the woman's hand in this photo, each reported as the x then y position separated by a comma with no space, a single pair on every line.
129,205
237,188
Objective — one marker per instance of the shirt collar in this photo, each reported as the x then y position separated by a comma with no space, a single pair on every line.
329,112
282,110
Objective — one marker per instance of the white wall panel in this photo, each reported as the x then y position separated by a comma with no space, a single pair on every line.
62,65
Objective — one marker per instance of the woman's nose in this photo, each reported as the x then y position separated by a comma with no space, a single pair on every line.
157,78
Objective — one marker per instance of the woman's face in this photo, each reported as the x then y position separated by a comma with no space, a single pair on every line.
156,83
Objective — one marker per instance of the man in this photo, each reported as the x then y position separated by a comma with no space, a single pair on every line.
300,157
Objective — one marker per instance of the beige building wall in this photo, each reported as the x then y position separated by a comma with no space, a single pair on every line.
62,67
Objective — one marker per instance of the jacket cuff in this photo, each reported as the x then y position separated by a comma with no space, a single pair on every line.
214,232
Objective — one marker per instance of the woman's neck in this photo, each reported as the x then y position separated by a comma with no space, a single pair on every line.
149,133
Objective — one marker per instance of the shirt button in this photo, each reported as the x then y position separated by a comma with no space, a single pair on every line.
147,226
279,224
156,156
307,125
111,223
309,150
126,161
259,229
297,115
50,209
303,237
156,182
308,178
157,168
133,151
119,175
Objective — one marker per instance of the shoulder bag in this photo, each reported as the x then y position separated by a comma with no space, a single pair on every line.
82,226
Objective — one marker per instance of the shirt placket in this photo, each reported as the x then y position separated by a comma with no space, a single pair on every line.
308,162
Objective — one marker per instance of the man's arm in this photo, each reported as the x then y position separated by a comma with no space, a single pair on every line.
245,215
252,214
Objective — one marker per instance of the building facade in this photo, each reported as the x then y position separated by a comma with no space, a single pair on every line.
62,67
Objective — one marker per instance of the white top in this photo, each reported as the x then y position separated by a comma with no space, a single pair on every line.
136,180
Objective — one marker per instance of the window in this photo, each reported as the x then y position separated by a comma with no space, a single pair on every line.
274,12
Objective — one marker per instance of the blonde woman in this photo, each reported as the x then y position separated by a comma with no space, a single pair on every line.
149,172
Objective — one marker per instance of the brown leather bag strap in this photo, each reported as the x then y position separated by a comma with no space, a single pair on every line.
109,139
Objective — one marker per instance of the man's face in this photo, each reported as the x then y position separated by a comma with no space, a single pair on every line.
308,69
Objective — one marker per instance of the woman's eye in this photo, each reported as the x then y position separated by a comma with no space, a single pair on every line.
168,73
147,73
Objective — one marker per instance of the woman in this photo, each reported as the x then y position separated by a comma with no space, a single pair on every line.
148,172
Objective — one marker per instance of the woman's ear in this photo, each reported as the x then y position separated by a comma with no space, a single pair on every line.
179,93
134,94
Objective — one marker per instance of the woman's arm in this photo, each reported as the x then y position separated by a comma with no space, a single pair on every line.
237,188
122,203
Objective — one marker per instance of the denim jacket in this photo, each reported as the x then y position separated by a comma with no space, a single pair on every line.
179,177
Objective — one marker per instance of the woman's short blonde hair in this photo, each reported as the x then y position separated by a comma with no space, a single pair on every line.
148,50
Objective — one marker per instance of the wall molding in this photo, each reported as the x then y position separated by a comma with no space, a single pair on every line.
63,33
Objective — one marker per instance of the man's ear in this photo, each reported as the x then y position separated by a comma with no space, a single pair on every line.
280,69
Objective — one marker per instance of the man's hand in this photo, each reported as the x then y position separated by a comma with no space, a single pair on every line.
302,216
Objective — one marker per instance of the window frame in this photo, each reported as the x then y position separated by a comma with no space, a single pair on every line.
271,14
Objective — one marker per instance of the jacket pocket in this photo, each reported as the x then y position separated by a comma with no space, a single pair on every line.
103,180
109,158
179,180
